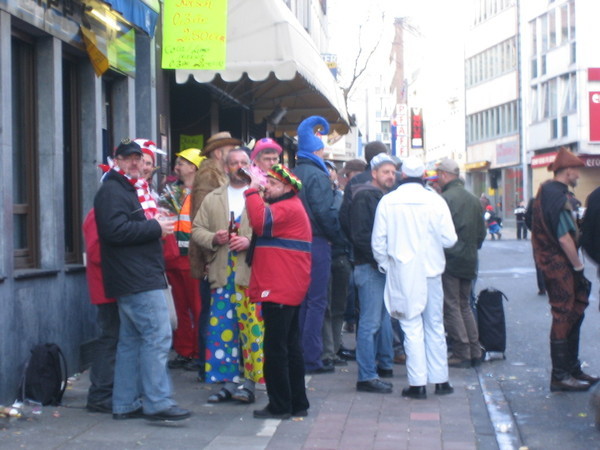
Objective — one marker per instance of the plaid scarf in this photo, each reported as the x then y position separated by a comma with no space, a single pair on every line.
143,192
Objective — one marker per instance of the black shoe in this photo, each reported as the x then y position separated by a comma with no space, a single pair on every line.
347,354
476,362
325,368
99,408
171,414
137,414
416,392
179,362
443,388
337,361
569,384
192,365
582,376
385,373
301,413
266,414
459,363
375,385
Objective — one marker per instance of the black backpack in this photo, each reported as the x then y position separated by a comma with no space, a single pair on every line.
44,376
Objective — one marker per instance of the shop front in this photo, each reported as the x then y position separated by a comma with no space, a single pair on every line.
74,82
274,77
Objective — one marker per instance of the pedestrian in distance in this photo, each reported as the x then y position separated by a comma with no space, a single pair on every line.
520,213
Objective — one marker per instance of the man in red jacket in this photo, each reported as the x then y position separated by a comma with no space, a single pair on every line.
280,277
102,372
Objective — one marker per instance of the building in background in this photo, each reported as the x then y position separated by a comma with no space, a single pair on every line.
561,86
493,164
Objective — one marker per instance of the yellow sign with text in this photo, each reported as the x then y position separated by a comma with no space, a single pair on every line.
194,34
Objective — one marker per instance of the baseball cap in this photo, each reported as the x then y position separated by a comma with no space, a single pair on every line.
448,165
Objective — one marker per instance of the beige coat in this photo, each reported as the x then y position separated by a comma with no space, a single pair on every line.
208,178
212,216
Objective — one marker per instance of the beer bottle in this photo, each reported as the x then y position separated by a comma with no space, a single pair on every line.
233,229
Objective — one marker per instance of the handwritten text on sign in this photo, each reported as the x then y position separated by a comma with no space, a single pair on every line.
194,34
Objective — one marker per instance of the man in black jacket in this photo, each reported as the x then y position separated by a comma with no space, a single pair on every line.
317,197
590,238
133,269
374,349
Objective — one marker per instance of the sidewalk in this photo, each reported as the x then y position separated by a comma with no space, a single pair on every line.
339,418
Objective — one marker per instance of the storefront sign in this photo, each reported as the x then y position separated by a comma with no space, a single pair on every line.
402,130
594,116
479,165
187,141
416,128
507,153
194,34
543,160
592,161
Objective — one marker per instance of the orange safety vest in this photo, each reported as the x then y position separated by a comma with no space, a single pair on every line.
183,226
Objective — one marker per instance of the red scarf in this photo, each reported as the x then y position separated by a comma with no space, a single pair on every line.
143,192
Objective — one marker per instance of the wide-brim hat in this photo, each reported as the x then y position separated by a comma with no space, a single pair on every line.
218,140
565,159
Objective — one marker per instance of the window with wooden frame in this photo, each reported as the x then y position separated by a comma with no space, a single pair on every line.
24,155
71,162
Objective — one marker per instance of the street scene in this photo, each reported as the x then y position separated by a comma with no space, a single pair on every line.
277,224
503,404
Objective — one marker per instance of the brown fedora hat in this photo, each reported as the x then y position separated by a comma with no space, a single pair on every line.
564,158
218,140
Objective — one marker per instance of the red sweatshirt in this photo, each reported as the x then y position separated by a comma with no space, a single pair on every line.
281,261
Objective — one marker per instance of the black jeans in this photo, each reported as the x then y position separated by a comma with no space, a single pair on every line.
521,229
102,372
284,364
203,323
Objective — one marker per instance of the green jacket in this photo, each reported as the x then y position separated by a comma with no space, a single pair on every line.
467,215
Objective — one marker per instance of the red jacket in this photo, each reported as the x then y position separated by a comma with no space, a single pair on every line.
93,270
281,261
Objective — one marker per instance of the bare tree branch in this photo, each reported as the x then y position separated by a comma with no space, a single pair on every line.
360,67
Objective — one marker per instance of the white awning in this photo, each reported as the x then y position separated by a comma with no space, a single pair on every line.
272,62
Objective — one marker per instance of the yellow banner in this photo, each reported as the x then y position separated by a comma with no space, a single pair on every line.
98,59
194,34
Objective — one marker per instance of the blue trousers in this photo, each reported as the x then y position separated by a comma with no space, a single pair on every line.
312,310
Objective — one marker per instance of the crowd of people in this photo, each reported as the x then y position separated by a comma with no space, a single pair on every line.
266,266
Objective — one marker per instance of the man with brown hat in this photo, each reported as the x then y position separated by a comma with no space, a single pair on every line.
210,176
554,237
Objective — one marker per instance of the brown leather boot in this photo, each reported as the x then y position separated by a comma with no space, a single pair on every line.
562,380
582,376
569,384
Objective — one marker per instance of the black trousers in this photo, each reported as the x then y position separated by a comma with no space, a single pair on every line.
284,364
